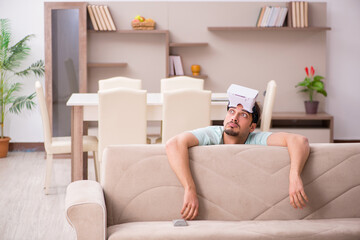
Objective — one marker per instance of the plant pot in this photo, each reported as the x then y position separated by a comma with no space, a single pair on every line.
311,107
4,146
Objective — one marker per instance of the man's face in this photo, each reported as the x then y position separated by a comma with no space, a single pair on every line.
238,122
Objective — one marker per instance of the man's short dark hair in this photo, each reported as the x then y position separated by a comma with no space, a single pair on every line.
256,114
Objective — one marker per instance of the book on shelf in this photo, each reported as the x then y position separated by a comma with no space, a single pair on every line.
97,17
278,17
293,9
264,19
171,66
260,17
298,14
272,16
177,66
107,23
107,11
92,18
101,18
302,14
306,9
289,14
102,22
299,11
284,12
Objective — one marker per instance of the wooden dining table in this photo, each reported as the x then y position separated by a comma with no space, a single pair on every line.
84,108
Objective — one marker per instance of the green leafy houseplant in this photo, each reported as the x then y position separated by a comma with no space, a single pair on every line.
312,84
11,58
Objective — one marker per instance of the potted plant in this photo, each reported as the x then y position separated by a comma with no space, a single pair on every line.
11,58
312,84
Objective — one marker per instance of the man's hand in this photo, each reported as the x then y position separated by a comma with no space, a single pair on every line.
178,155
190,207
299,150
296,191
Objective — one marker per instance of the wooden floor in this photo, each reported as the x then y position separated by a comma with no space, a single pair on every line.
25,211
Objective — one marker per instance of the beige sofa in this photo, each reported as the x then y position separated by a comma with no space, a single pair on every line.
242,189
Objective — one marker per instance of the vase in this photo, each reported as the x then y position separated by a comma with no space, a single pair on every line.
4,146
311,107
195,70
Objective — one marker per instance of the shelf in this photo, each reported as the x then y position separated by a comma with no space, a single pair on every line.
268,29
199,44
132,31
200,76
99,65
300,116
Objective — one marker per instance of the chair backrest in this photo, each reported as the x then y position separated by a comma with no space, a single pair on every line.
268,106
44,114
184,110
181,82
116,82
122,117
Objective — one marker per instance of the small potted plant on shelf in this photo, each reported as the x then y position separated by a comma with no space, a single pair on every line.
11,57
311,85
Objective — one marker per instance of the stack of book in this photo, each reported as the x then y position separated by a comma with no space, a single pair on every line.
299,14
101,18
176,68
272,16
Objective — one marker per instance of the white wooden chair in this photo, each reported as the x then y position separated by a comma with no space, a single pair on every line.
268,106
122,117
119,82
59,145
181,82
177,83
184,110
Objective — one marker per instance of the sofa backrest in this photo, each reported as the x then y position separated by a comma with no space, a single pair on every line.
234,182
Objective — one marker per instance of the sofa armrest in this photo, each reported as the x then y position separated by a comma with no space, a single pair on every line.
85,209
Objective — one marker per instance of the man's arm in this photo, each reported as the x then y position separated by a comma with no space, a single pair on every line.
178,155
298,147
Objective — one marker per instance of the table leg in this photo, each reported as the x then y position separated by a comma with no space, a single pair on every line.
76,143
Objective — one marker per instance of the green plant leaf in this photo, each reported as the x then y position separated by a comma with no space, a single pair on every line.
301,84
304,90
318,85
5,37
9,96
23,102
37,68
318,78
17,54
323,92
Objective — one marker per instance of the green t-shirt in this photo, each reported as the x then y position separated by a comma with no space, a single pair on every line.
213,135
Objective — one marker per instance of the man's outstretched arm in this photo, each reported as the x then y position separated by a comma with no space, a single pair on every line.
298,147
178,155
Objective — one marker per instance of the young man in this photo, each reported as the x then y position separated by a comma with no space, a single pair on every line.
239,125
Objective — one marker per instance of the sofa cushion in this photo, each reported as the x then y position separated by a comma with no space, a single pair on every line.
234,182
327,229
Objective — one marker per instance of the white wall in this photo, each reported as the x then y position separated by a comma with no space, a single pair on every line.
343,68
342,83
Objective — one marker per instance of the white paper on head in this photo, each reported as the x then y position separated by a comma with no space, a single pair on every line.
242,95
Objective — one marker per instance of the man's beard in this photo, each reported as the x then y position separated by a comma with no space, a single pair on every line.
230,131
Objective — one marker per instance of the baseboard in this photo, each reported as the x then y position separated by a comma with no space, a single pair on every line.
346,141
35,147
26,147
